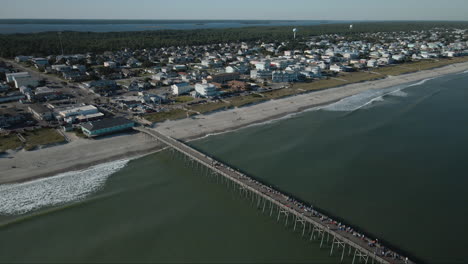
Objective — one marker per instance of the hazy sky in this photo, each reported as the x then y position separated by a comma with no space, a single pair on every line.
238,9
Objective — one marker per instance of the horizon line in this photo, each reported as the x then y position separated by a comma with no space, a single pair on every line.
235,19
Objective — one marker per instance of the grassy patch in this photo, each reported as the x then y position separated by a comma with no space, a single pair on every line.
79,133
9,142
183,99
163,116
124,82
209,107
354,77
44,136
297,88
419,65
240,101
319,85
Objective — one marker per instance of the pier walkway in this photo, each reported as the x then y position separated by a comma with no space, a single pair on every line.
316,226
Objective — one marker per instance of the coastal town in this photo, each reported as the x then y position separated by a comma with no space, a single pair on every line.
203,131
56,99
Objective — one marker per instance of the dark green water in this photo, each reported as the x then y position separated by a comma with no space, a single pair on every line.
396,168
156,210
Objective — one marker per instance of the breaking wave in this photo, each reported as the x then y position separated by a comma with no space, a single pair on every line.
421,82
20,198
369,97
347,104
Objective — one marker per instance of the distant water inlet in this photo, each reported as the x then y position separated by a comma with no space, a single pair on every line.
21,198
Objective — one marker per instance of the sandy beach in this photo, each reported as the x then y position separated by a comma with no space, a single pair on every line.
82,153
232,119
76,155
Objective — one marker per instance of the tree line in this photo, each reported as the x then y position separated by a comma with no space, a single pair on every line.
47,43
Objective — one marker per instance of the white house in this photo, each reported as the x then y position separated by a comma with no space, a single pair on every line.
80,110
398,57
10,77
110,64
336,68
231,69
372,63
207,63
181,88
159,76
206,90
263,66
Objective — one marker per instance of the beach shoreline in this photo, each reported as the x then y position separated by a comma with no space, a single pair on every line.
23,166
197,127
80,154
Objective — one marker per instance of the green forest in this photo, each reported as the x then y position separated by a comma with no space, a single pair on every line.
47,43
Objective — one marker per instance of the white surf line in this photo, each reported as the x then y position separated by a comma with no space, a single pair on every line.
21,198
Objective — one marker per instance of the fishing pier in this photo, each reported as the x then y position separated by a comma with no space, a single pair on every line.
341,240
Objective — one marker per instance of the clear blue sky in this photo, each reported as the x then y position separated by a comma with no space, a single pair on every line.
238,9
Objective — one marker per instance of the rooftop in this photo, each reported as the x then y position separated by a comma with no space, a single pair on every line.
106,123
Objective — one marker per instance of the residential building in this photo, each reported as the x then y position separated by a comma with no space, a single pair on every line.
206,90
22,58
225,77
336,68
10,77
256,74
372,63
40,62
25,81
106,126
110,64
61,68
41,112
181,88
285,76
80,113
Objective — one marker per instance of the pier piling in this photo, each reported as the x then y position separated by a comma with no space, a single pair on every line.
256,193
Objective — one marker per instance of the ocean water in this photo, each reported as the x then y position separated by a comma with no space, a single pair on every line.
152,210
21,198
390,162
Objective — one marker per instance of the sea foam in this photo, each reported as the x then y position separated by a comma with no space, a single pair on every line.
20,198
367,98
351,103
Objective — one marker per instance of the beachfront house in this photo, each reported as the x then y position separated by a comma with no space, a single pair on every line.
181,88
206,90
